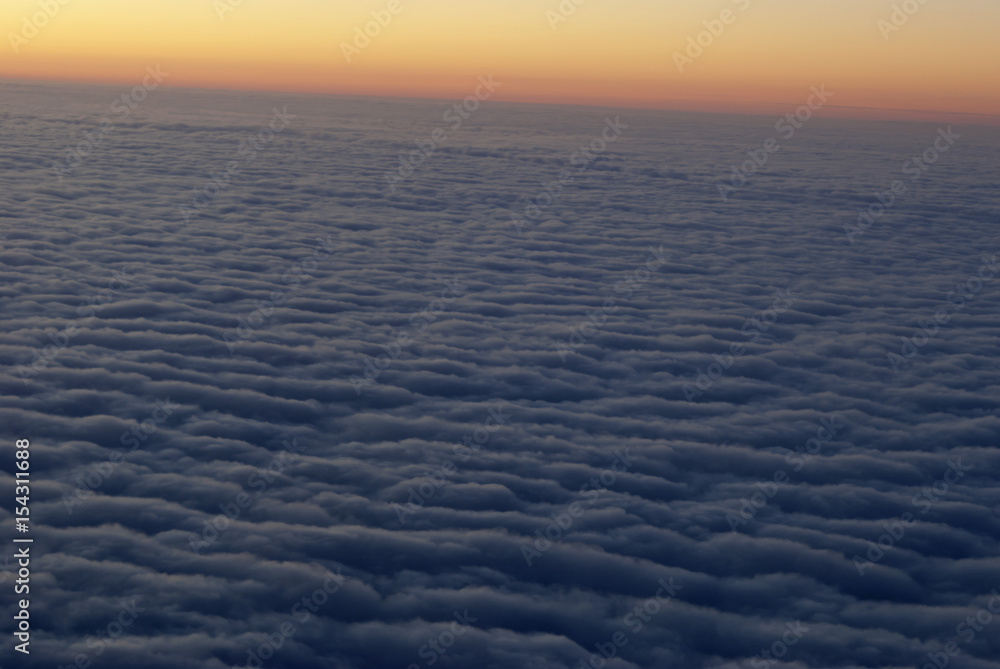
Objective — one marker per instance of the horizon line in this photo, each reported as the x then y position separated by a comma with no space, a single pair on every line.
698,105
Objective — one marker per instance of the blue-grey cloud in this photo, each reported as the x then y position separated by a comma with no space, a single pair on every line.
204,520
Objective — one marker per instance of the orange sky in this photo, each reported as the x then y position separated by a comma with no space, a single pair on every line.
943,58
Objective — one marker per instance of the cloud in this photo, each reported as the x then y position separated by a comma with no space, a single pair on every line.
162,337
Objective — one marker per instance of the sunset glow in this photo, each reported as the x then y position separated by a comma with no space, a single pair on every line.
943,57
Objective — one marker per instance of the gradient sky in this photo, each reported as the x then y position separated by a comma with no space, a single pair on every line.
617,53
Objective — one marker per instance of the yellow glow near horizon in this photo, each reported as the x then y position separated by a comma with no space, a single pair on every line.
621,53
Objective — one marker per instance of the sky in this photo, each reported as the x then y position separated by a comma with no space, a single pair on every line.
626,53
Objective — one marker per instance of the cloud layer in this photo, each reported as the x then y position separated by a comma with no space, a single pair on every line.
724,419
